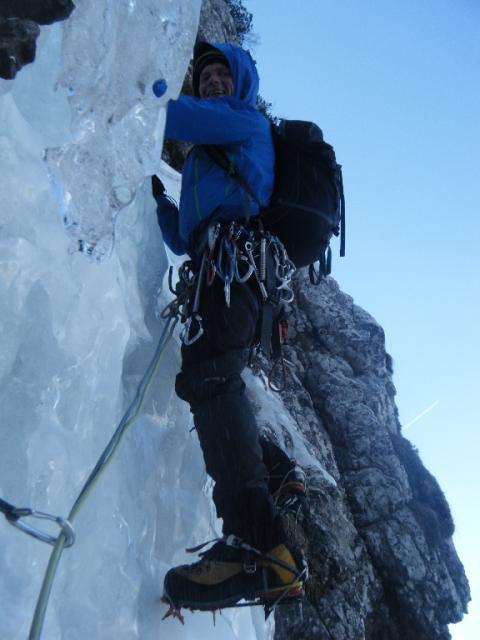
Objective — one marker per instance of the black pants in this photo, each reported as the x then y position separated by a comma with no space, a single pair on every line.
210,381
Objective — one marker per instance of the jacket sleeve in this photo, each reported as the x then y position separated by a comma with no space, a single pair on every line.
167,216
211,121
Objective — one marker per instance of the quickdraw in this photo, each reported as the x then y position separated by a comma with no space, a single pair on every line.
16,516
194,315
234,254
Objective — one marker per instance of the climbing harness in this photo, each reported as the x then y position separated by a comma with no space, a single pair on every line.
235,252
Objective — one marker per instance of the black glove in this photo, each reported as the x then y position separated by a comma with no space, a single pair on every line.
158,188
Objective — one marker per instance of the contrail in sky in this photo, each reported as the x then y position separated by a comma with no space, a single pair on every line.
421,414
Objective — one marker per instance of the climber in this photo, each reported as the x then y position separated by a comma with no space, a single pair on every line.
253,560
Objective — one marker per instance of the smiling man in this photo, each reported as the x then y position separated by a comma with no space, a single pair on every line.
215,81
216,217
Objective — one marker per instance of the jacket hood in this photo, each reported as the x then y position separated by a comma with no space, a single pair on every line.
244,72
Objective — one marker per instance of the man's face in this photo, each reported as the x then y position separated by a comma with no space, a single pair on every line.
215,81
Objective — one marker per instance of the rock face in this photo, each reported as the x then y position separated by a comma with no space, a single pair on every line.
379,540
19,20
216,23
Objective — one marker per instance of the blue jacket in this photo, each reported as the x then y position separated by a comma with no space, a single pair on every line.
231,121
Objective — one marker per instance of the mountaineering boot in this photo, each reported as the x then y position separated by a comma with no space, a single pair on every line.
291,488
232,571
291,502
286,479
287,486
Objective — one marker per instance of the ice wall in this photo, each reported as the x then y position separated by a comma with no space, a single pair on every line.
77,330
112,53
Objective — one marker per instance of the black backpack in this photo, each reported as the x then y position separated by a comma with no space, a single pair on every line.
307,205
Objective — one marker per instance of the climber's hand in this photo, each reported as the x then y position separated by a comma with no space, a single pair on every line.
158,188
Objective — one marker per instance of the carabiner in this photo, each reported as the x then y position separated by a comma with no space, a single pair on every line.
226,259
247,274
15,519
186,330
289,295
285,269
213,233
170,310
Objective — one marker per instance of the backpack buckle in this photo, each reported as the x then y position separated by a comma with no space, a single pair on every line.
250,567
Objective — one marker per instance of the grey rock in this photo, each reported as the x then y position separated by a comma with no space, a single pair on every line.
39,11
17,45
216,22
19,20
383,564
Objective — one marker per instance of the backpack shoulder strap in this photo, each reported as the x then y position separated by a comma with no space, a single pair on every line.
342,215
219,156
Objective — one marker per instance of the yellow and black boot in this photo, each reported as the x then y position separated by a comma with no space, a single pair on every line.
232,571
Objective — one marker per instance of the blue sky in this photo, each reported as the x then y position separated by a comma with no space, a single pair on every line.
395,87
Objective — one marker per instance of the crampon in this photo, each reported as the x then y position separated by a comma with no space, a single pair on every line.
268,602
